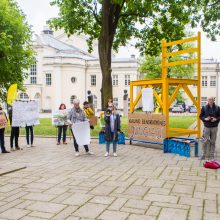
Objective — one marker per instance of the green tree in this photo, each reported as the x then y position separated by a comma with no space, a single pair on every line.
16,52
115,22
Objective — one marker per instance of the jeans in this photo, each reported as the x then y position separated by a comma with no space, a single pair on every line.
114,146
2,139
27,134
60,129
14,135
209,135
76,146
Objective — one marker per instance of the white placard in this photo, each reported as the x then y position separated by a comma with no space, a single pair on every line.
81,133
25,113
148,100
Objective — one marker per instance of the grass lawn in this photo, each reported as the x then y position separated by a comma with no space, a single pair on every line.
46,129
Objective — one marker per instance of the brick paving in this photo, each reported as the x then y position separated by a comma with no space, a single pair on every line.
140,184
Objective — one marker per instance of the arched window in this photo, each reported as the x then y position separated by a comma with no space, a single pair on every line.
24,96
72,98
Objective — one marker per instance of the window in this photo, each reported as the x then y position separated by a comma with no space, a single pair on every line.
72,98
114,80
204,80
24,96
213,81
48,79
203,101
95,101
33,80
33,69
93,80
127,80
115,102
73,79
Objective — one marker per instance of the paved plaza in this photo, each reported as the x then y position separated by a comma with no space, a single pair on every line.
142,183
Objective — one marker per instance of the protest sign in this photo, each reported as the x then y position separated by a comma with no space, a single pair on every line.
147,100
151,127
3,120
25,113
93,120
81,133
59,117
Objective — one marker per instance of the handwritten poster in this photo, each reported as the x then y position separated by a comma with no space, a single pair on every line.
25,113
59,117
81,133
143,126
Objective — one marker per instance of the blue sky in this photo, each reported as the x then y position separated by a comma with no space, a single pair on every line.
39,11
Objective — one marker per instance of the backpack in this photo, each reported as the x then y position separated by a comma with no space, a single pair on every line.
211,164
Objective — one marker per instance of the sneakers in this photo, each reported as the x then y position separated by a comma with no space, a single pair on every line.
12,149
90,153
18,148
5,151
58,143
28,145
106,154
64,142
115,154
77,154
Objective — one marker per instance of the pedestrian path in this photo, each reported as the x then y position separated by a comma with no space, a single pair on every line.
140,184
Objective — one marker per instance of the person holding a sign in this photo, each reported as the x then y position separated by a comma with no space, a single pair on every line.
88,112
112,127
14,132
3,124
64,126
77,115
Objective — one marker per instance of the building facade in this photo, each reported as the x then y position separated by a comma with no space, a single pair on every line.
63,72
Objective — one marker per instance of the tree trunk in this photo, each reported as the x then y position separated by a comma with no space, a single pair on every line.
110,17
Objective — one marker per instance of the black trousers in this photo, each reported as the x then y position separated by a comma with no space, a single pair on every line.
29,128
76,146
60,129
14,135
2,139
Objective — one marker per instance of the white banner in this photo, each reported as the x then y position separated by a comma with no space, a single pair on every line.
25,113
148,100
81,133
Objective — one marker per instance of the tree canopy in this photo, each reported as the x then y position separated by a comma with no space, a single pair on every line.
115,22
16,52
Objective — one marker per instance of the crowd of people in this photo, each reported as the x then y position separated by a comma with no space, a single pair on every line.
75,115
210,115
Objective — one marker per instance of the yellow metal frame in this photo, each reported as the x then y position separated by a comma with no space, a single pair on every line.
165,82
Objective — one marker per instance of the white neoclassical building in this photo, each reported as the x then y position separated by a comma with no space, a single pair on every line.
64,70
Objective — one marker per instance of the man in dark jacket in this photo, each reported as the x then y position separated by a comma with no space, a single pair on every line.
210,115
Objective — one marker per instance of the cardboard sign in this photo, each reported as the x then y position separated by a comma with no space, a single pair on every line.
150,127
93,120
81,133
3,120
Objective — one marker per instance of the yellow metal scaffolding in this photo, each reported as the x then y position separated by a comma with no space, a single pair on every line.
166,82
